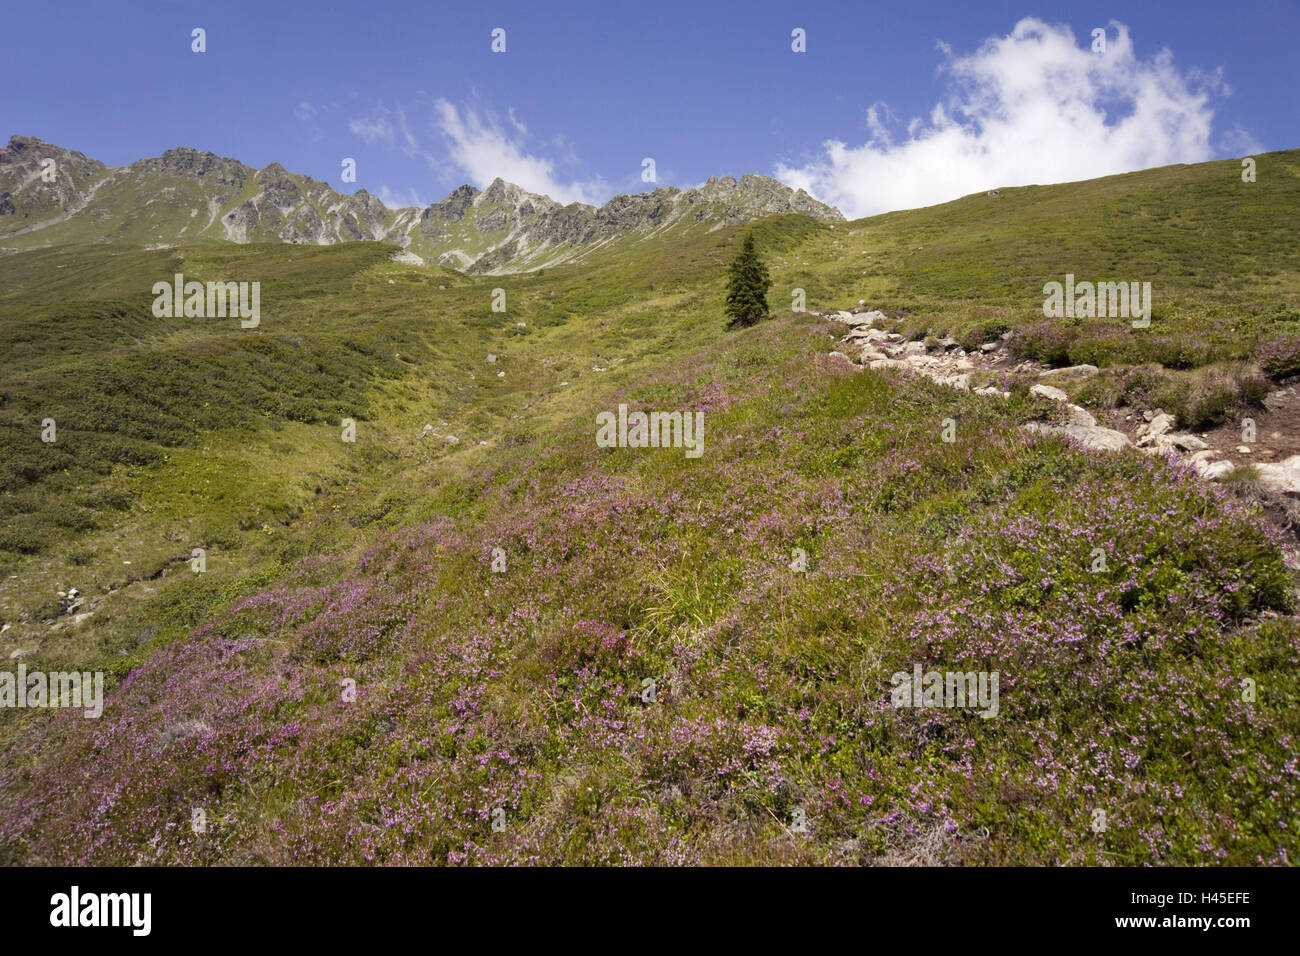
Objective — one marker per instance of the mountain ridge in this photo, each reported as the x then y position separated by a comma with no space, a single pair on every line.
503,228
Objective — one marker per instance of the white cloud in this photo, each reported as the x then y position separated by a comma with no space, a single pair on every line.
1239,142
375,130
396,199
483,150
1031,107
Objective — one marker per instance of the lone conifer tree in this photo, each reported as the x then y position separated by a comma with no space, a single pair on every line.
747,286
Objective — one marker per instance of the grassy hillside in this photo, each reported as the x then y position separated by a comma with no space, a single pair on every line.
769,735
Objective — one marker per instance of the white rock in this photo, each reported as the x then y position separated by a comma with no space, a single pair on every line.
1080,416
1214,470
1093,436
1187,442
1282,476
1080,371
1050,392
1154,429
1105,439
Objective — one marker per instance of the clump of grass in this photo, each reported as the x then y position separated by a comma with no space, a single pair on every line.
1198,398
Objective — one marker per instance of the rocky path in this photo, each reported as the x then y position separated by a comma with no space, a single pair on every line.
1274,451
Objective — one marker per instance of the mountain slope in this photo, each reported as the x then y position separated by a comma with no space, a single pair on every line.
186,196
767,733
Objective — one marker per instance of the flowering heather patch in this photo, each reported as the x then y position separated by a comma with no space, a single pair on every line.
649,681
1279,357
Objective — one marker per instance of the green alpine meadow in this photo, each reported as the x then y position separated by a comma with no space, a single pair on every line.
951,581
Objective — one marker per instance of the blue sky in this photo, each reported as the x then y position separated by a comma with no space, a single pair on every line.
893,105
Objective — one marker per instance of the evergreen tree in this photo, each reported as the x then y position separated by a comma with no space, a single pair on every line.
747,286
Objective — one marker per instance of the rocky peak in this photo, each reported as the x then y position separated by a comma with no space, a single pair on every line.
454,207
198,164
29,149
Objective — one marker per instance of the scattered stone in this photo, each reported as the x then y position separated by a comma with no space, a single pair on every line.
1214,470
1156,427
1050,392
1243,449
1103,439
1094,436
1073,371
988,346
1075,415
1282,476
1187,443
